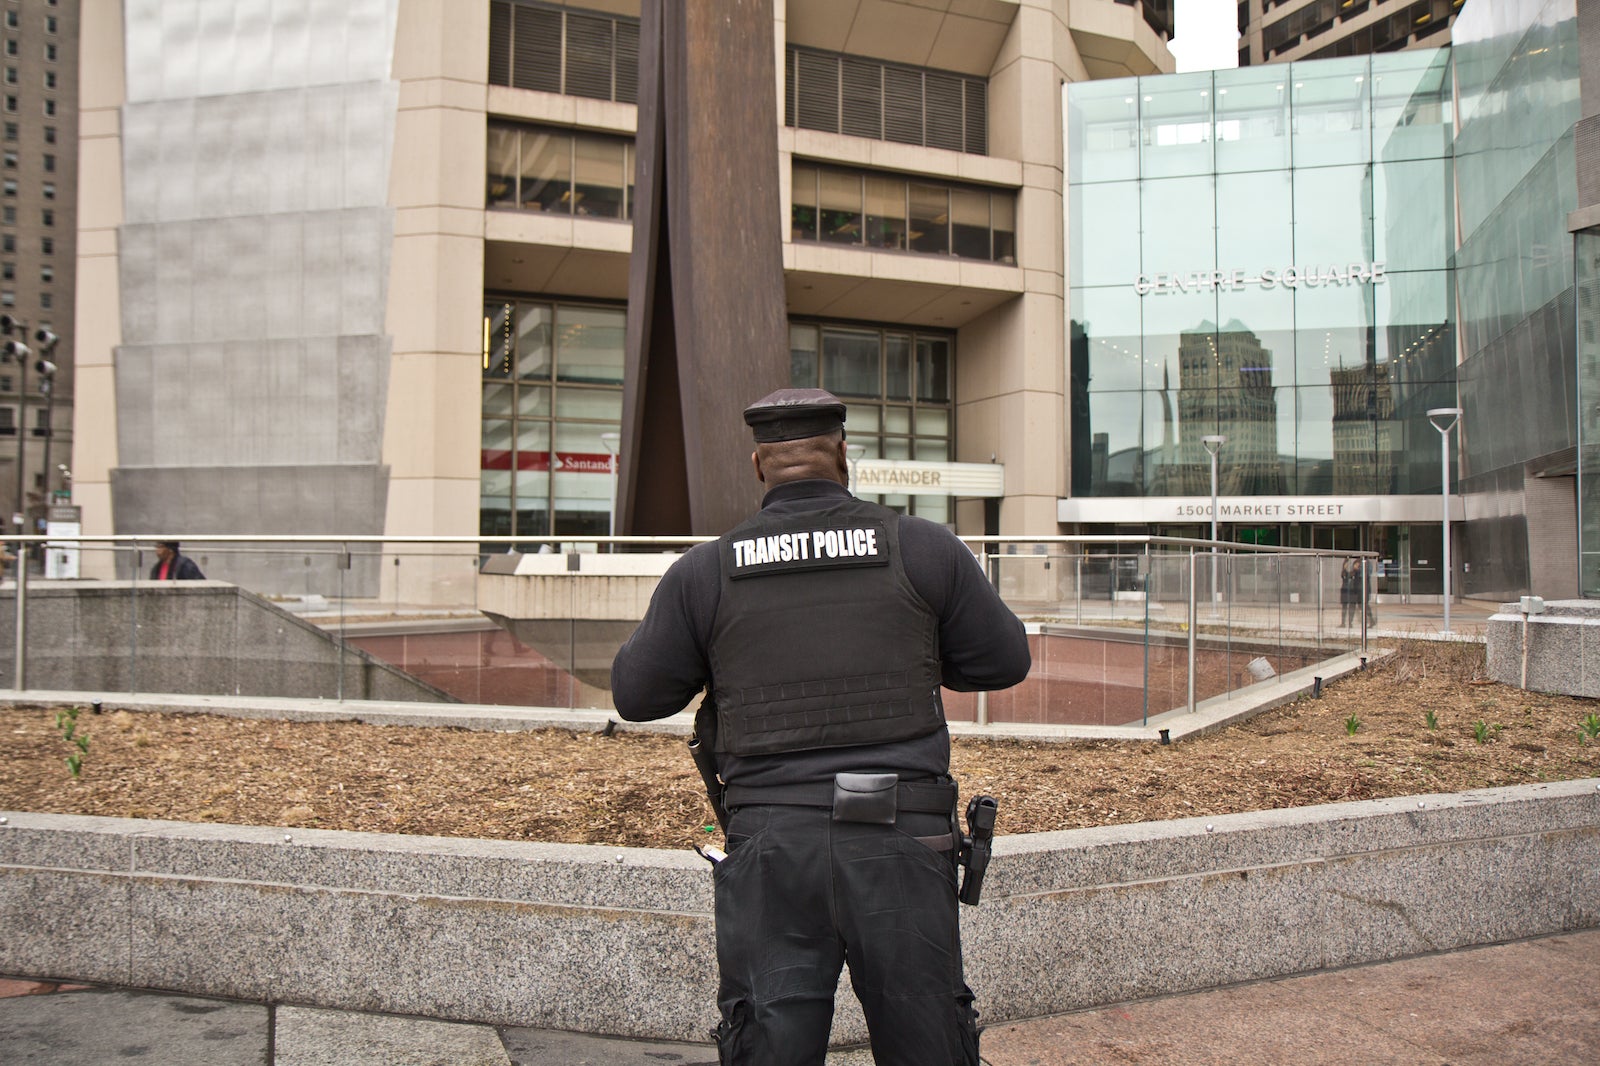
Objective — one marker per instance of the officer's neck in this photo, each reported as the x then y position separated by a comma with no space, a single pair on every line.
801,488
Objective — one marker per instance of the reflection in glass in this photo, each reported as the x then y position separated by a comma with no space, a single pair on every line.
1331,112
897,366
1167,318
501,181
592,344
803,206
1411,104
599,177
1105,322
498,342
533,342
1112,463
930,219
1333,216
839,195
933,369
1103,130
1411,200
851,362
1003,220
1255,221
546,171
1178,224
803,357
886,212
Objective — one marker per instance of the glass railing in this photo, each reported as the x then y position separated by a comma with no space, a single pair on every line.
1123,631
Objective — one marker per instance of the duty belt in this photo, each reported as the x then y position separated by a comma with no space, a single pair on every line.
923,797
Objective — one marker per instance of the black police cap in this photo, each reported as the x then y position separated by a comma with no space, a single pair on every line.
792,414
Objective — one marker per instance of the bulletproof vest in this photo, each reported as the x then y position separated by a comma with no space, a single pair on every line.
820,640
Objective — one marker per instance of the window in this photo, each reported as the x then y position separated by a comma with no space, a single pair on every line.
50,53
11,75
47,216
8,215
11,103
49,79
896,385
46,301
49,107
5,383
558,50
8,271
9,187
8,242
41,421
48,190
49,135
12,20
552,393
864,208
11,131
47,274
8,421
885,101
11,160
49,24
11,48
8,298
539,169
47,245
49,163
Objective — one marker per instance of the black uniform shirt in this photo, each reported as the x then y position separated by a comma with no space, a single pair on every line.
666,662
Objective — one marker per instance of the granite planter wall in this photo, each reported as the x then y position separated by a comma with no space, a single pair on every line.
620,941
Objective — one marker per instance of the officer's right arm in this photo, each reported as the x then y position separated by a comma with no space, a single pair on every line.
663,665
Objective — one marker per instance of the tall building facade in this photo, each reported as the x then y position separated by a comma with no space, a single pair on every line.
1282,31
362,268
38,240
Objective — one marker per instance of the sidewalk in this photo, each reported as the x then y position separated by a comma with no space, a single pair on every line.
1527,1001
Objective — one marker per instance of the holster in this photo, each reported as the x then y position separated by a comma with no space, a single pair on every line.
703,749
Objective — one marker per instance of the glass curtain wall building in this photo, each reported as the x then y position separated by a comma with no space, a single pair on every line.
1264,254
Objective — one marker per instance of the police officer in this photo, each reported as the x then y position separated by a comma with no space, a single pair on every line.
823,628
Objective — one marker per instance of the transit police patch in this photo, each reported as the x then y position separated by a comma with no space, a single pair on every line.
858,543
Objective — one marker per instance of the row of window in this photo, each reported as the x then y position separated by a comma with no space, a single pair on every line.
1421,20
554,50
14,21
47,216
864,97
13,104
11,131
887,211
552,406
12,160
8,186
590,174
8,272
12,77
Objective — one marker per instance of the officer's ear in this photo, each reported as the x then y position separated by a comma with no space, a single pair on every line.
755,461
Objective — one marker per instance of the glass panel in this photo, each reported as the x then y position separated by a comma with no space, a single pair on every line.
591,344
933,451
495,446
599,177
897,366
1106,340
1414,327
1253,460
933,508
1175,124
1103,130
546,171
930,219
1411,104
502,159
1333,331
803,357
933,369
896,448
1413,227
533,400
533,342
1256,332
861,418
1179,225
1330,109
1105,233
1255,222
886,213
1003,226
497,399
533,446
1112,461
1333,216
851,363
933,422
840,216
1175,324
969,218
1252,109
581,480
803,208
498,343
1314,440
591,404
897,420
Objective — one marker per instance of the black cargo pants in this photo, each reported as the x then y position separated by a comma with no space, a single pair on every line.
801,894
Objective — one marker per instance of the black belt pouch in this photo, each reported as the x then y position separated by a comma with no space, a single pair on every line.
865,798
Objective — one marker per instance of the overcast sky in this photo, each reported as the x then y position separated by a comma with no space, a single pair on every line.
1207,34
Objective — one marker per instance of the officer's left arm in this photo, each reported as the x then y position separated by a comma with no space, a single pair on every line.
663,665
982,645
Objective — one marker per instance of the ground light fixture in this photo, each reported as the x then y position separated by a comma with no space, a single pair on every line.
1213,444
1445,419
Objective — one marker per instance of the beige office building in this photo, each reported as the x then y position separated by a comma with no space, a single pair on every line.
361,268
1280,31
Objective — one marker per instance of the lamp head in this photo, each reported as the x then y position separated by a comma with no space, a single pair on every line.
1444,418
1213,443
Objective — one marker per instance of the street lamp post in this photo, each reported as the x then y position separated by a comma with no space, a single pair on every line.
853,454
17,350
1444,419
612,442
1213,445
